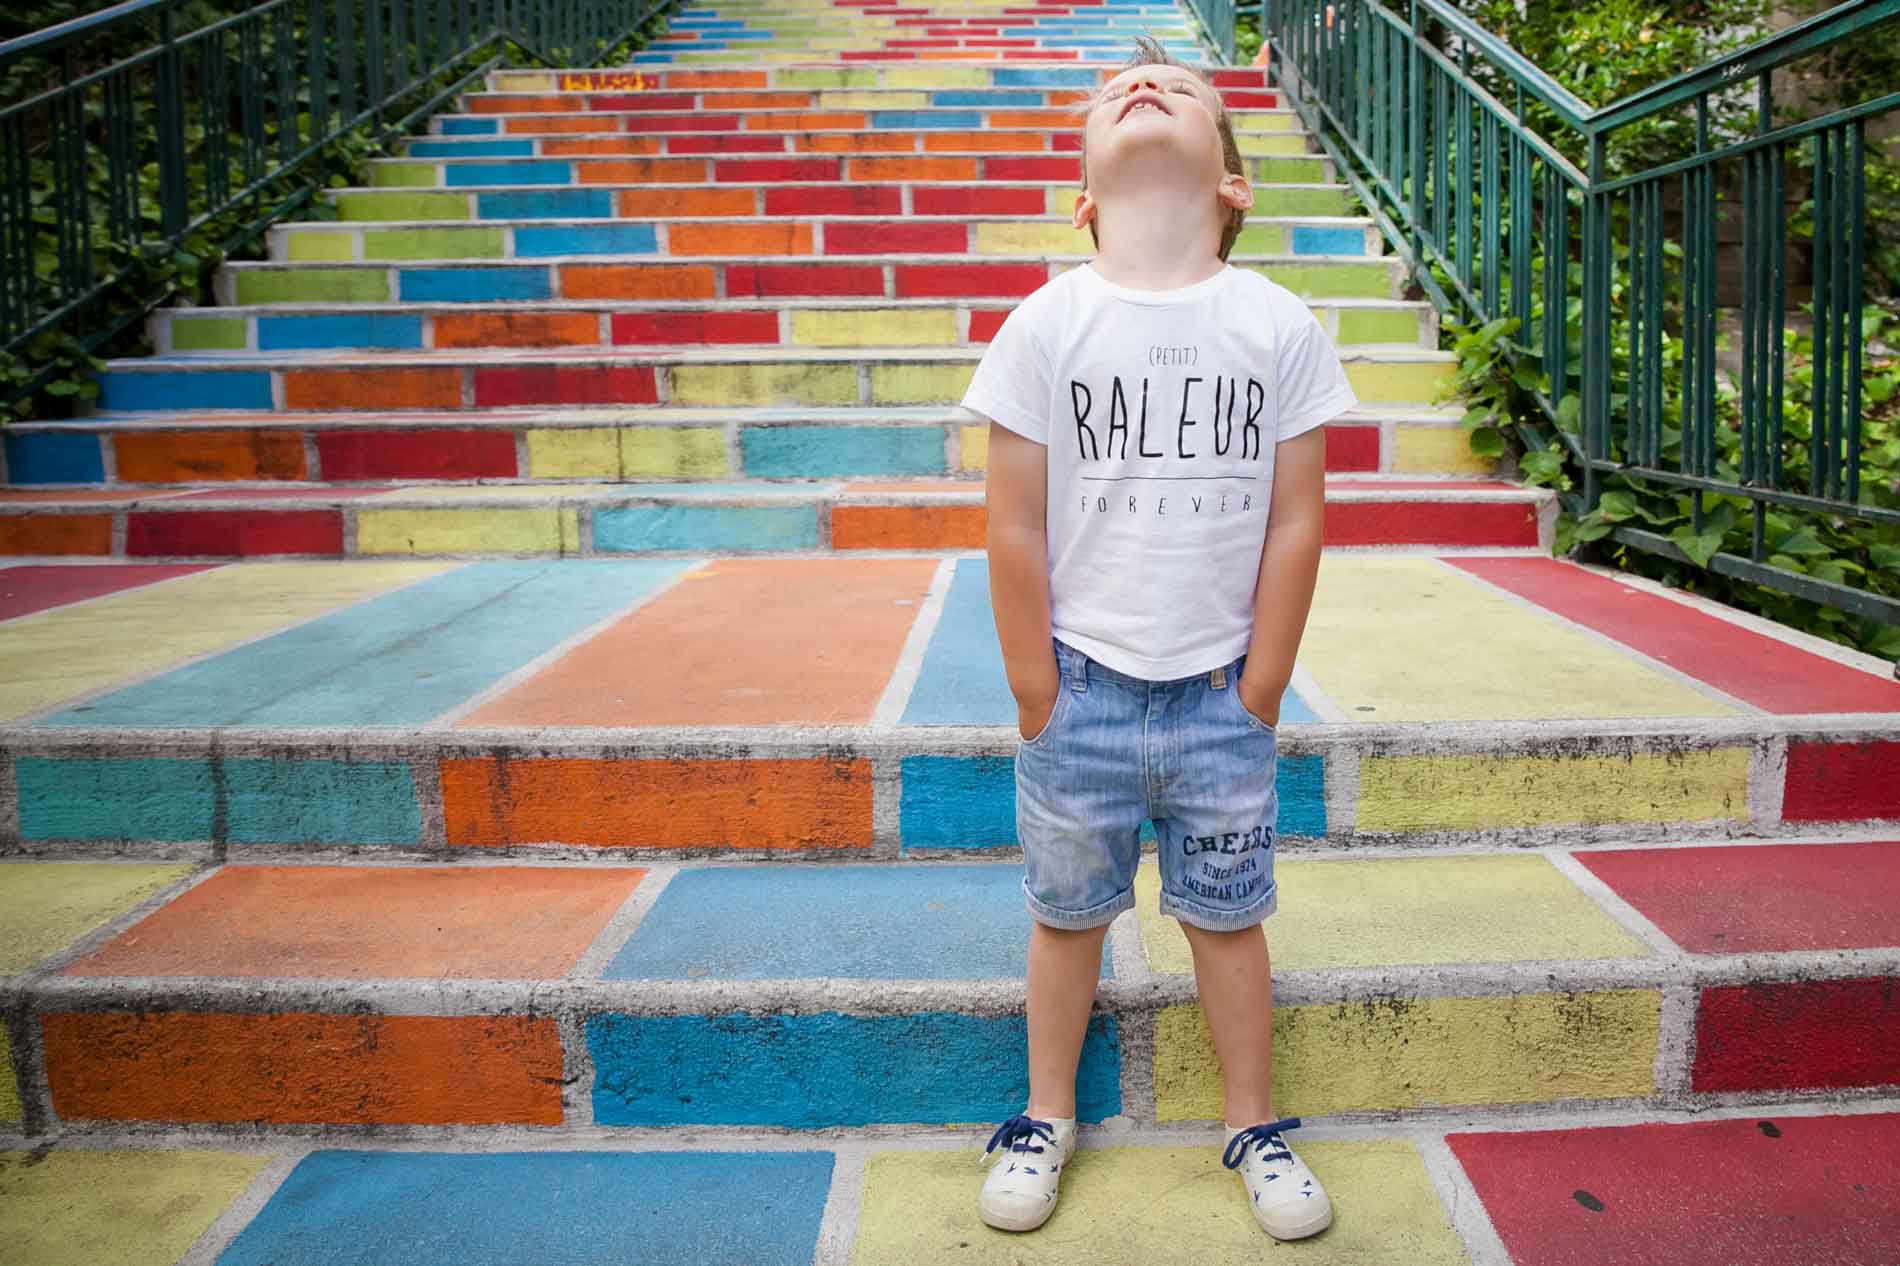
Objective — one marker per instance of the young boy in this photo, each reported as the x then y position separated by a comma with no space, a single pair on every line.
1156,488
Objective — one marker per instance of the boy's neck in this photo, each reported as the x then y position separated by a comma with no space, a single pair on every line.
1156,243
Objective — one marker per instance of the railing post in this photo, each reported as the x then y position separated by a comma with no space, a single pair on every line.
1415,119
170,90
1597,263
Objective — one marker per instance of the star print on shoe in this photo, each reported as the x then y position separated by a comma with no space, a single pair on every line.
1019,1193
1287,1200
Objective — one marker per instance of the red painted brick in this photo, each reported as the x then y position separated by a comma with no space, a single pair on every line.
1351,448
1475,523
233,533
988,42
1797,1035
1042,55
838,200
888,237
1066,142
773,170
565,384
662,328
762,281
643,102
923,43
984,324
964,281
725,143
1013,168
447,454
688,123
1842,782
1240,77
976,200
1241,99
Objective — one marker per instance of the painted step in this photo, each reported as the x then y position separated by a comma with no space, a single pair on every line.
874,276
791,233
584,520
664,442
570,89
1437,1194
711,377
828,323
663,197
617,996
573,702
594,173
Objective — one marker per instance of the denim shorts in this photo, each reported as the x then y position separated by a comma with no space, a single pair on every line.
1118,751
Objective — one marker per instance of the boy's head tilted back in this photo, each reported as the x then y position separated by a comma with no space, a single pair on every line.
1159,124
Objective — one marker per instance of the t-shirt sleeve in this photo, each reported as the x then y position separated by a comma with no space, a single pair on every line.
1011,385
1312,383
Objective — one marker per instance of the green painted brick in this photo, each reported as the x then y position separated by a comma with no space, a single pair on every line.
1309,171
1278,145
405,175
1372,280
369,205
433,244
1296,202
208,334
332,245
1261,239
827,79
1266,121
1379,325
313,285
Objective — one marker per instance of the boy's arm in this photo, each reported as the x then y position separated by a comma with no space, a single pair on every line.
1289,568
1018,494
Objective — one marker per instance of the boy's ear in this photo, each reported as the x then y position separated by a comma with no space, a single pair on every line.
1236,192
1085,209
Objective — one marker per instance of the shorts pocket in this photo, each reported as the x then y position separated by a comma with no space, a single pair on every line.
1253,721
1055,715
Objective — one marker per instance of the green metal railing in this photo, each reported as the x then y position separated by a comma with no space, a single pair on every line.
1217,22
1499,222
204,126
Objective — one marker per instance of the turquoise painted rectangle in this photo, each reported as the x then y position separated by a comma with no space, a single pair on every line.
809,1071
473,285
1043,77
538,172
236,800
825,452
52,457
191,389
471,127
925,120
989,98
545,204
1313,239
586,239
399,659
471,149
386,330
703,528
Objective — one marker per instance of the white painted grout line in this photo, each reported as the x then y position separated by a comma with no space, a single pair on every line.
228,1225
838,1228
910,661
1318,700
625,922
1464,1209
1767,782
1632,920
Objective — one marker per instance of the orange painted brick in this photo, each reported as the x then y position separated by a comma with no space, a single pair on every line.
601,147
982,142
749,804
858,143
373,389
637,281
544,126
717,79
757,100
782,121
908,527
172,457
1068,96
67,535
788,238
299,1068
661,204
558,103
517,329
642,171
1035,118
911,169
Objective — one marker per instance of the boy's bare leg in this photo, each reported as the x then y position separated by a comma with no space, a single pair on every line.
1231,970
1063,970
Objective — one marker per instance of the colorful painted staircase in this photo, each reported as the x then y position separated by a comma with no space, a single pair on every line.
519,673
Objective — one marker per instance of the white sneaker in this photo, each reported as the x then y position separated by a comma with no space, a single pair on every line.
1287,1201
1025,1157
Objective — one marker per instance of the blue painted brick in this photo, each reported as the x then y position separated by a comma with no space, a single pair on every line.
810,1071
586,239
388,330
471,149
250,801
925,120
1311,239
472,285
988,98
824,452
716,529
201,389
958,802
50,457
1302,784
1043,77
471,127
349,1208
962,681
546,204
539,172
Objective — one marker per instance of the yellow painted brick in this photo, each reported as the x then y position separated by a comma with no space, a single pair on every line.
544,493
46,906
1398,382
1266,121
523,81
573,454
1032,237
1276,145
846,99
531,532
1470,793
114,1206
1403,1053
1062,201
340,244
874,327
1436,450
795,383
9,1081
919,384
938,77
975,442
674,452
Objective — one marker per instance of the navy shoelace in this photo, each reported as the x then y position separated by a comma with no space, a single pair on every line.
1265,1137
1019,1134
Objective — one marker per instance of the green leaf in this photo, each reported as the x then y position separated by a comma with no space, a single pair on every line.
1592,529
1569,412
1803,543
1886,557
1617,506
1700,549
1487,441
1542,468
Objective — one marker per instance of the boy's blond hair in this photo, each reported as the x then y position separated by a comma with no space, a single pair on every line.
1148,52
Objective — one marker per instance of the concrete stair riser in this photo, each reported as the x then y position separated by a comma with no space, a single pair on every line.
585,172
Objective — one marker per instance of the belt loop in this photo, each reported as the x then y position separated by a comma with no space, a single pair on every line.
1218,679
1075,668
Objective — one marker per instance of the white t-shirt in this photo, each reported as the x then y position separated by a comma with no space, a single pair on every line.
1160,410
